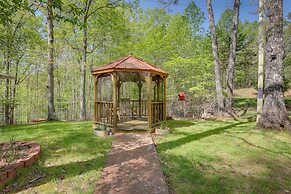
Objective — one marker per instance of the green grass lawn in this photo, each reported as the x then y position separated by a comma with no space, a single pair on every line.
71,158
225,157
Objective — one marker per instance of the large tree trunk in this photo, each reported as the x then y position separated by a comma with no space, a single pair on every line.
83,74
50,81
261,59
218,85
274,113
232,56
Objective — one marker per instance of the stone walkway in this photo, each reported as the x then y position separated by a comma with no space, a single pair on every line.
132,167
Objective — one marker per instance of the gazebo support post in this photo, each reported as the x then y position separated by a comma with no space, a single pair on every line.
139,84
164,100
118,92
155,93
114,99
149,99
158,90
118,99
160,109
95,119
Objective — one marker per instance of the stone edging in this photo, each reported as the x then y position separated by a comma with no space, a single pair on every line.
9,172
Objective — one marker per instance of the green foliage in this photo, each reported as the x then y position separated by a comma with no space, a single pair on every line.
9,7
246,59
164,125
195,17
175,42
193,75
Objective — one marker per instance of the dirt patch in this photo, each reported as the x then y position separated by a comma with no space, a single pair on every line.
132,167
252,93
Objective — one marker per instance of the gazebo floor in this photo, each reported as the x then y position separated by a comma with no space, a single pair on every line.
132,125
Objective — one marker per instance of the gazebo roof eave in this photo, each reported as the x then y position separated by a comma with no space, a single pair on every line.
129,64
98,72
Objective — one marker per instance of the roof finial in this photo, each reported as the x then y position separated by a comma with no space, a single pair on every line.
130,53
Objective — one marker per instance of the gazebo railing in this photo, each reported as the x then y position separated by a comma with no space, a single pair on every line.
157,111
104,112
130,109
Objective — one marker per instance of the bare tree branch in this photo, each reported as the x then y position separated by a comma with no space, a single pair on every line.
70,44
95,47
108,5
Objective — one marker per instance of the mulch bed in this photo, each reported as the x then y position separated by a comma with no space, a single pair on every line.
11,152
14,156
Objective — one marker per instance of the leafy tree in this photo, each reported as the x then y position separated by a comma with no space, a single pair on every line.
18,39
232,57
82,15
9,8
195,17
50,4
217,62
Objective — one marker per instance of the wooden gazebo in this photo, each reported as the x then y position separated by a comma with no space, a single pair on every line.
113,108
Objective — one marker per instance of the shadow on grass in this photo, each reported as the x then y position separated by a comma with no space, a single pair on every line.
188,176
180,123
54,126
260,147
43,175
60,141
196,136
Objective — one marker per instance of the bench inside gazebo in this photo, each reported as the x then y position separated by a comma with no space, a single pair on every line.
129,94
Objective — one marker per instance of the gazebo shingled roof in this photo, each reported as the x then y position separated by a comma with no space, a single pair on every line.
131,64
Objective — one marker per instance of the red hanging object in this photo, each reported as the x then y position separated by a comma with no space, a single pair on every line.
181,96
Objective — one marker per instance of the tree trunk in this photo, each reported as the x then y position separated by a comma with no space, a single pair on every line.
27,100
232,56
274,113
50,81
84,61
83,74
218,85
12,108
261,59
7,93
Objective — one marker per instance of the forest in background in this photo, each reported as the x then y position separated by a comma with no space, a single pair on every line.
174,42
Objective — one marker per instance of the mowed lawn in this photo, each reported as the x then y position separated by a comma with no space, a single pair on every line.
71,160
225,157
